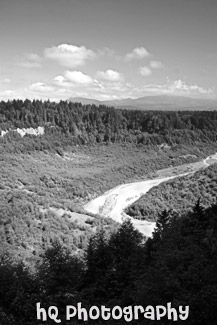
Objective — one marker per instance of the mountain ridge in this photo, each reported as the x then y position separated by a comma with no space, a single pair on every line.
157,102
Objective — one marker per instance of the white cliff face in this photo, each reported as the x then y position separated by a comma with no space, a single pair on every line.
3,133
38,131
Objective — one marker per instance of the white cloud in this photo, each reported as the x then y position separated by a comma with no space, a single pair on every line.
109,75
76,83
31,60
137,53
62,81
179,86
69,55
79,77
59,79
156,64
145,71
41,87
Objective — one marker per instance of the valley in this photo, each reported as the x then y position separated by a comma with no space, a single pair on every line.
114,202
45,194
63,184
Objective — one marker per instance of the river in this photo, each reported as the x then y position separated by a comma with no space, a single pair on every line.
113,202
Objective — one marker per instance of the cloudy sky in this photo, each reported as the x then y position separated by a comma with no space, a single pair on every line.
107,49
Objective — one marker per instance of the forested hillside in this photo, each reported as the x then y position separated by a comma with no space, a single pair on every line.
177,194
79,124
178,265
85,151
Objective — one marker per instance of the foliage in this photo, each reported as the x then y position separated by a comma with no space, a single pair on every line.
177,265
69,123
177,194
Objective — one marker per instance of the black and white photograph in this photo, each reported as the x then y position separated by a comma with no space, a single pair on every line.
108,162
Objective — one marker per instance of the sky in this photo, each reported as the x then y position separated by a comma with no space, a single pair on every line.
114,49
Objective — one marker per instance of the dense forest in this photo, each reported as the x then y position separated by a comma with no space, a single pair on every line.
177,265
88,124
177,194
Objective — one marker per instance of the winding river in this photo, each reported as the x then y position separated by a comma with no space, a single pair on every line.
113,202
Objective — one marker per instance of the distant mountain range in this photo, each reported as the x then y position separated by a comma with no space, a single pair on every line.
160,102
